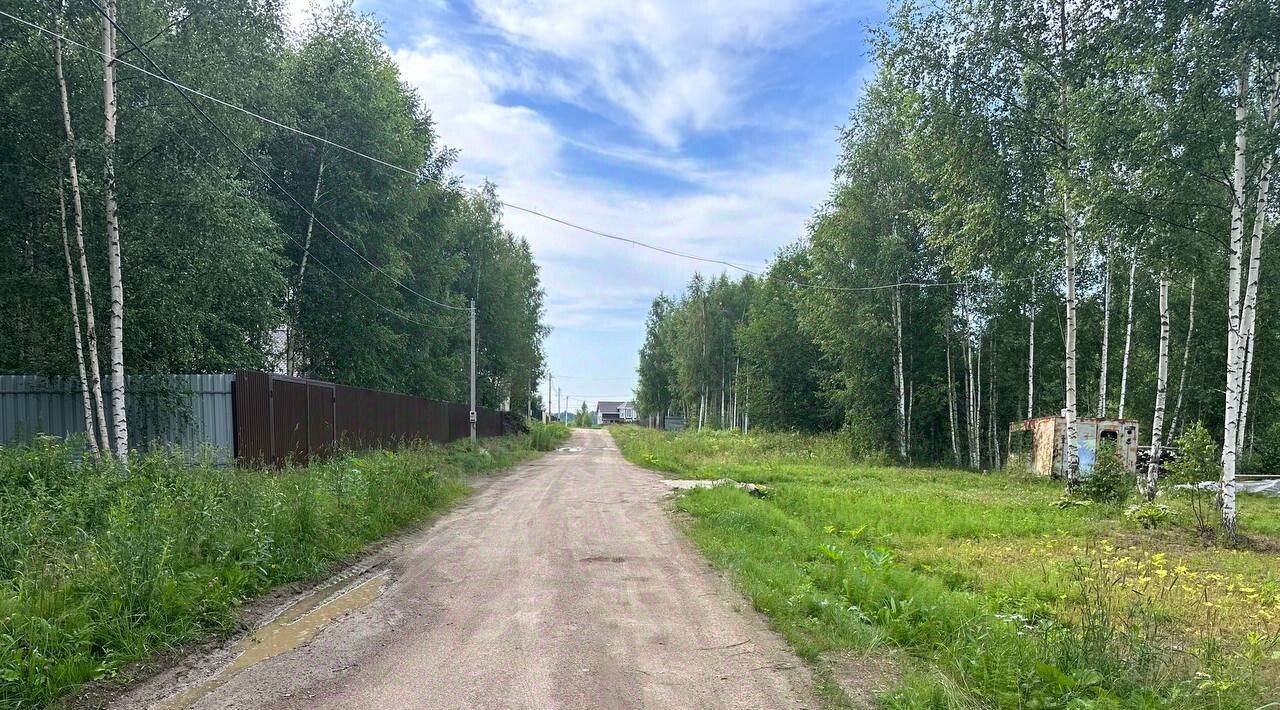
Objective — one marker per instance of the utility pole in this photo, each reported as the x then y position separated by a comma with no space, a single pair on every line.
473,370
559,404
546,408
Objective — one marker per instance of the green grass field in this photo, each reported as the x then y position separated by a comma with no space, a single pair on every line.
100,567
979,590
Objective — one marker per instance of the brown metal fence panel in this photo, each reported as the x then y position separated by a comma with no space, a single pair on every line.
321,403
280,419
459,421
289,420
437,421
251,408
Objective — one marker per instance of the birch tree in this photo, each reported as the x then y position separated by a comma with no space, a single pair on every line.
1128,339
899,375
97,433
1106,334
1176,426
90,428
951,396
1242,304
120,438
1260,213
1150,479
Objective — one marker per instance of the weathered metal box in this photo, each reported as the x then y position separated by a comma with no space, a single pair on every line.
1040,444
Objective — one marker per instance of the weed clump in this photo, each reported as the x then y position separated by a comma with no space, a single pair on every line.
546,437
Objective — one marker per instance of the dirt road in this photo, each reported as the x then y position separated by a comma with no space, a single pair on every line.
559,585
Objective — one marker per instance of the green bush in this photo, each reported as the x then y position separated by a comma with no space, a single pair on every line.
1197,463
1110,481
100,566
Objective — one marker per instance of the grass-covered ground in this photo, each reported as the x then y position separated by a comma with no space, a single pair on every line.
100,566
980,590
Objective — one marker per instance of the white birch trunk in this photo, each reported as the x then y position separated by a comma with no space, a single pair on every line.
90,429
969,380
121,432
1244,394
1031,354
1073,453
1106,337
951,399
1235,351
975,423
899,377
1249,315
994,445
722,391
911,402
295,307
1148,484
1186,355
737,371
1128,339
77,205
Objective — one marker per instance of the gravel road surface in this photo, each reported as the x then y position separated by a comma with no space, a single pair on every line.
561,584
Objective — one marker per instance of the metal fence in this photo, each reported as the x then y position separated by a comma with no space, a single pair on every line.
251,417
193,412
280,418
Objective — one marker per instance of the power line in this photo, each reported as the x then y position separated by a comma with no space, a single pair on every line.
184,90
395,312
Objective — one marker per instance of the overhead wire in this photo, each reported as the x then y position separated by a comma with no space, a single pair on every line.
312,257
249,159
186,92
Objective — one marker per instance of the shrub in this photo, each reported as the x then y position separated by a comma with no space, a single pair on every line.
1110,481
1197,463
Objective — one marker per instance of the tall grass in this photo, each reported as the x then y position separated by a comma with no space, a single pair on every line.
993,595
546,437
100,566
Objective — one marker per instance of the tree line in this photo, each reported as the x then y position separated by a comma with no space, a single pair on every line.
136,234
1039,207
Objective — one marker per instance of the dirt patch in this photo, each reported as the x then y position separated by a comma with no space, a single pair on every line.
1181,540
863,678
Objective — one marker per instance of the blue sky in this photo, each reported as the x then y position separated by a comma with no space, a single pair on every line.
707,127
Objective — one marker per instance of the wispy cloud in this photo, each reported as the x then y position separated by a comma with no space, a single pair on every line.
651,120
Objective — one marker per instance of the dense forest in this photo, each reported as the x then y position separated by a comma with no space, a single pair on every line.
151,232
1038,206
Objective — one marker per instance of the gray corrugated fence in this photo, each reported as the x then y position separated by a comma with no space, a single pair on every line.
192,411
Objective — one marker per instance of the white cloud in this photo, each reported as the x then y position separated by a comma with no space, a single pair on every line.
739,213
667,66
660,68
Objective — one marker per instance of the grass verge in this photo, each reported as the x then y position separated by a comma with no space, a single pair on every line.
987,590
100,567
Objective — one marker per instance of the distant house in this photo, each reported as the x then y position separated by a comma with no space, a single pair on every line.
615,413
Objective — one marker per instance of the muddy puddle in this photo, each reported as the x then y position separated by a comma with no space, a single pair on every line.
292,628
